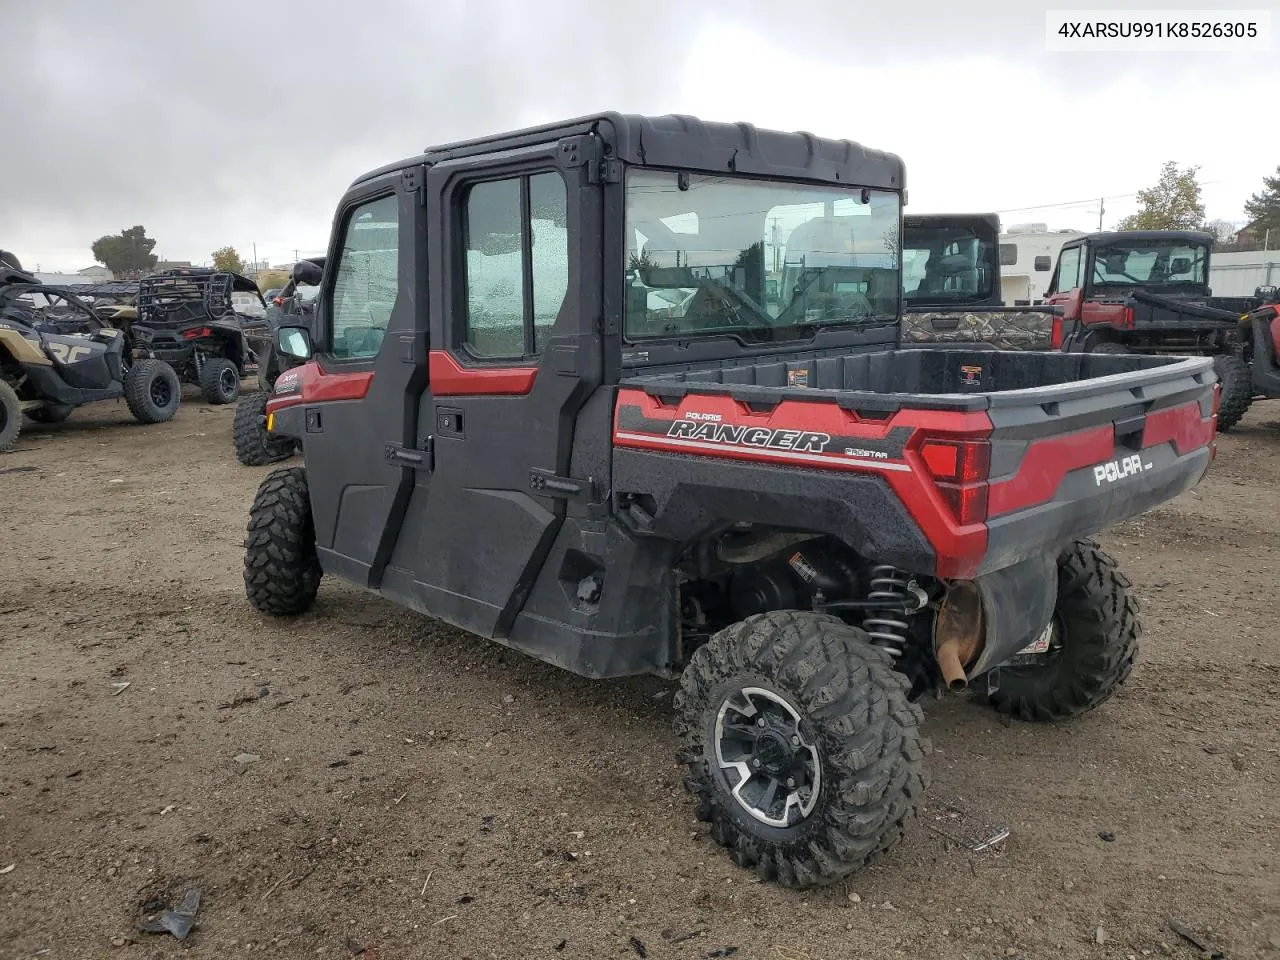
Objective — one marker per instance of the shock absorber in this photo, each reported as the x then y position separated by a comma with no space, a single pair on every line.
887,625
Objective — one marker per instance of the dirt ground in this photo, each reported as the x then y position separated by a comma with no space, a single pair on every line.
418,792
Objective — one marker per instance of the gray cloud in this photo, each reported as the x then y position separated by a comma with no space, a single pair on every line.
240,121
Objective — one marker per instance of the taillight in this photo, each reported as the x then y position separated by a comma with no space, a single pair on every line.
1055,333
1128,318
960,469
197,333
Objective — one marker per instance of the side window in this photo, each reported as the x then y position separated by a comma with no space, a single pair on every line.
1008,254
1068,277
517,264
366,282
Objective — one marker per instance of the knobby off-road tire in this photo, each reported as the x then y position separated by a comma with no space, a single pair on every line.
855,726
281,570
254,446
1108,346
1093,648
10,417
51,413
152,391
219,380
1237,390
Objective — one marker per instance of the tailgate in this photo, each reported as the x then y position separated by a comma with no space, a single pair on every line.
1093,454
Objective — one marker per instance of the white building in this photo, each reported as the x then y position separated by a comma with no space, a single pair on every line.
1239,274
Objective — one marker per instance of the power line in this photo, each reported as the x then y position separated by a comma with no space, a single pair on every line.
1090,201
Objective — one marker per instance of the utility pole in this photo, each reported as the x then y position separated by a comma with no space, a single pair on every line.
255,259
1101,209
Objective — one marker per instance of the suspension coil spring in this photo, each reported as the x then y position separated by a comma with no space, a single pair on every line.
886,627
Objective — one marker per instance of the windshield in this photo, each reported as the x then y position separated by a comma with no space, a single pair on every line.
947,264
757,259
1151,264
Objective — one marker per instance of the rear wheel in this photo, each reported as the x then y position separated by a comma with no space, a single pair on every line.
10,417
219,380
1237,390
152,390
802,747
51,413
254,446
281,569
1108,346
1092,643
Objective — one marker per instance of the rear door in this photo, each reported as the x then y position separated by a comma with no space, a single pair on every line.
515,290
371,334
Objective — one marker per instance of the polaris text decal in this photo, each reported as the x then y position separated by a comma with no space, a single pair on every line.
1115,470
731,434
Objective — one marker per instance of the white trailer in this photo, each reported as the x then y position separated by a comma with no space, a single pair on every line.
1028,252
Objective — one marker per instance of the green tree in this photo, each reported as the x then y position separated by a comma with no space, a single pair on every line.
1263,208
227,260
1172,204
126,254
272,279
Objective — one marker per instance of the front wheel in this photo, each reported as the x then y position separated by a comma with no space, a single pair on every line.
219,380
1092,643
254,445
1236,381
152,390
803,749
281,569
10,417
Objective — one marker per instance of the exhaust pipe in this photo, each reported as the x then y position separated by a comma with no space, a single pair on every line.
958,632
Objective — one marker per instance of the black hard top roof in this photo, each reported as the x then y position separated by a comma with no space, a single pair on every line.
951,219
1137,236
688,143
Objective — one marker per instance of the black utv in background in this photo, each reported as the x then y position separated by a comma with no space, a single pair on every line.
624,393
57,354
951,286
1147,291
191,319
294,305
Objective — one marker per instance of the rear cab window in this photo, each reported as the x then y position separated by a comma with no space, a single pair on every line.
517,264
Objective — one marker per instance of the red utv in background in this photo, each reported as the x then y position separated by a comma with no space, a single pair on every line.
1147,291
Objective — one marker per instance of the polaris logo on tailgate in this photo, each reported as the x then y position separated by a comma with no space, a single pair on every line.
1115,470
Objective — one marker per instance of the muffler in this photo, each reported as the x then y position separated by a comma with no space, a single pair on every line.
958,632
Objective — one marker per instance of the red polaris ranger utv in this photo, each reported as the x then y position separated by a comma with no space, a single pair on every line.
625,394
1147,291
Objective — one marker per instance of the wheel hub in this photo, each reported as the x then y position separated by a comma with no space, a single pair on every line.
771,767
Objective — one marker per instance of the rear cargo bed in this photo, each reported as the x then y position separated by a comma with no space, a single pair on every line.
960,378
1054,446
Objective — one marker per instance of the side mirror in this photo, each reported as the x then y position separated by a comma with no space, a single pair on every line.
294,342
307,272
1180,265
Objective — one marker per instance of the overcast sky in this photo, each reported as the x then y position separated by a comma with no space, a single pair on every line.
236,122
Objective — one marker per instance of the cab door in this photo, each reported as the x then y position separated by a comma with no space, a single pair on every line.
515,287
367,372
